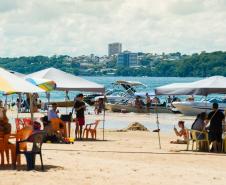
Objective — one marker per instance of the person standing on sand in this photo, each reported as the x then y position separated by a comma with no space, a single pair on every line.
80,108
148,101
216,118
137,102
5,126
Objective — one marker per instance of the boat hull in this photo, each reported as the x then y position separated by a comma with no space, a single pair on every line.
129,108
195,108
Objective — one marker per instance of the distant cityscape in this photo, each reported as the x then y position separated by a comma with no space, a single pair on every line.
117,58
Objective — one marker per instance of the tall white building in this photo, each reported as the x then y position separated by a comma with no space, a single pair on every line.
114,48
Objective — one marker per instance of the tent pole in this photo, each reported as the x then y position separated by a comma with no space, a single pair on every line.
5,104
157,123
31,107
206,103
48,99
104,116
66,100
19,106
20,100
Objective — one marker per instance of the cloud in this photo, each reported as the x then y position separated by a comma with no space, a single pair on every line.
187,7
76,27
8,5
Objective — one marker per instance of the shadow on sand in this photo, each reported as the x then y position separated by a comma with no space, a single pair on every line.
178,152
37,168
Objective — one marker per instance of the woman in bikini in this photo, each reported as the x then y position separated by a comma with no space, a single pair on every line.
181,133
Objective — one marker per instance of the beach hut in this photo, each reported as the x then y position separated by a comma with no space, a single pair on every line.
68,82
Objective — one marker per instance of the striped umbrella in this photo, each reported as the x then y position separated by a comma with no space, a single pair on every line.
45,84
12,83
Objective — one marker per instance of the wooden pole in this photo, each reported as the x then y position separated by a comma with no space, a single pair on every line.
157,123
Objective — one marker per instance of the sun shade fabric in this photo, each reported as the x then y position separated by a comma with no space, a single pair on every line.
12,83
65,81
46,85
211,85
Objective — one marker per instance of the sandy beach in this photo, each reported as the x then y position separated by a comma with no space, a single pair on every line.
123,158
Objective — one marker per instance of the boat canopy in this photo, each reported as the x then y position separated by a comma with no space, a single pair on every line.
211,85
131,83
66,81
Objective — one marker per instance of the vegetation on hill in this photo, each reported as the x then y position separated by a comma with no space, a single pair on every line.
198,65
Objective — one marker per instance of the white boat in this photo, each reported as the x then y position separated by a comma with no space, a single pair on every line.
197,107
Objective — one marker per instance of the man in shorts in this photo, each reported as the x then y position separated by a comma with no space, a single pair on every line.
80,108
216,118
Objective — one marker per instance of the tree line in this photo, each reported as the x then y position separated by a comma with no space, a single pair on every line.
195,65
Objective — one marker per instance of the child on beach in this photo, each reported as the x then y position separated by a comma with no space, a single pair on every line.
181,133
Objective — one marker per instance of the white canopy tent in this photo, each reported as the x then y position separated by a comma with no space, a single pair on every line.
67,82
211,85
204,87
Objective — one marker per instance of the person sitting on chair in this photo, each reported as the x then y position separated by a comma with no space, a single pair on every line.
53,114
200,124
182,133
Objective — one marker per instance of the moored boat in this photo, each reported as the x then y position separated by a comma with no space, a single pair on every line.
197,107
160,108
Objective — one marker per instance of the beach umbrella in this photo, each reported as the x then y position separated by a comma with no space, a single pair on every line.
45,84
12,83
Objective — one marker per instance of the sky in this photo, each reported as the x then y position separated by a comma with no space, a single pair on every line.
82,27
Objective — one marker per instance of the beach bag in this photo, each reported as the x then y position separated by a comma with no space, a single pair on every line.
52,139
66,117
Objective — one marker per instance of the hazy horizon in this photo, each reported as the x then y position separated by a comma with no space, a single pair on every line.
82,27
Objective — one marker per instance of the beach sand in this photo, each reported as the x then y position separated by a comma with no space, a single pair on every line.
123,158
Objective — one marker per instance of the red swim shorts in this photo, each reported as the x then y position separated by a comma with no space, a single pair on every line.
81,121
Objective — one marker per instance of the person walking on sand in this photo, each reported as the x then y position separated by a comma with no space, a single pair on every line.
80,108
